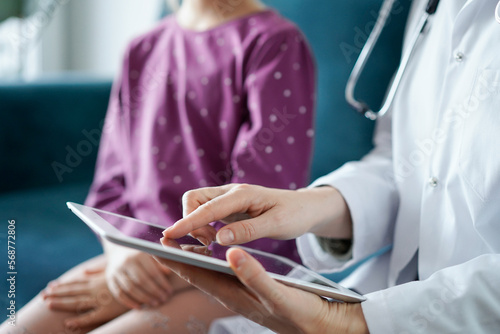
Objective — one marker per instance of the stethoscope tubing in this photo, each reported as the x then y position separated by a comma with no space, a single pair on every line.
364,56
384,13
497,12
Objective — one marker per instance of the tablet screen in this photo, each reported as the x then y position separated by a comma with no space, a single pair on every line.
153,233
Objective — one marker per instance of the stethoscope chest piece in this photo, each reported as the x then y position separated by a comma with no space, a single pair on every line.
497,12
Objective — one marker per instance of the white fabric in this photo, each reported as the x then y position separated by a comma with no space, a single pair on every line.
432,184
237,324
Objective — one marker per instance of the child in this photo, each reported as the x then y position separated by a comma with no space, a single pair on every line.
222,92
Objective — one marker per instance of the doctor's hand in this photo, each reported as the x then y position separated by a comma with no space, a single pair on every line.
254,212
261,299
135,278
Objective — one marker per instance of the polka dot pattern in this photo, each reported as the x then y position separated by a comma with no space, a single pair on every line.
162,120
203,126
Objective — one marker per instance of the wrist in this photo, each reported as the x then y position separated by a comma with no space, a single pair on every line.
112,250
332,215
345,318
358,323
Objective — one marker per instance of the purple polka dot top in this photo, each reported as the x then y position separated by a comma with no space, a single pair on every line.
233,104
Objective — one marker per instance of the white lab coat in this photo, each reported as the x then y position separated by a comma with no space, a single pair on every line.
431,186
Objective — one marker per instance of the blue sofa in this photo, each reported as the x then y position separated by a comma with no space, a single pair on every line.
49,129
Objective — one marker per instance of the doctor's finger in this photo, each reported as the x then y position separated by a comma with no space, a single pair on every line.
226,288
192,199
289,309
236,199
253,276
222,286
246,231
205,234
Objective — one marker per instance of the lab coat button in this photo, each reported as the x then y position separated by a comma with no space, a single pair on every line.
459,56
433,182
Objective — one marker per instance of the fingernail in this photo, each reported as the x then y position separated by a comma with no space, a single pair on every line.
240,259
225,237
70,324
203,241
166,231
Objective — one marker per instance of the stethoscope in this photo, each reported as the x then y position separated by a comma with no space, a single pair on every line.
497,12
367,50
384,13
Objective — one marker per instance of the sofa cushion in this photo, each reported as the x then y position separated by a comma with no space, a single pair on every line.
49,130
49,238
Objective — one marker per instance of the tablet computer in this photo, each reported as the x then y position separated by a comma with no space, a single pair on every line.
146,237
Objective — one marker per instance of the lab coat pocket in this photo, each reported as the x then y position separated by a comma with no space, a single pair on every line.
480,147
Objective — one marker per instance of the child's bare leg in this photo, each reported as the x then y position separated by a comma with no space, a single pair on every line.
188,311
36,317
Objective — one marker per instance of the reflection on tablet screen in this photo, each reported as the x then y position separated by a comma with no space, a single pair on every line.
271,262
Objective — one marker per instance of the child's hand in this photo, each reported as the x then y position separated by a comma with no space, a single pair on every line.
136,279
87,296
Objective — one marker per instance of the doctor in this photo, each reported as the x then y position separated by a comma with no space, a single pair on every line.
430,188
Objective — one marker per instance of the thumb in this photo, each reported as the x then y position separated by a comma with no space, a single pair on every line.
251,273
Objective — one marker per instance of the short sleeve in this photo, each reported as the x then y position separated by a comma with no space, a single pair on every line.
107,191
274,148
